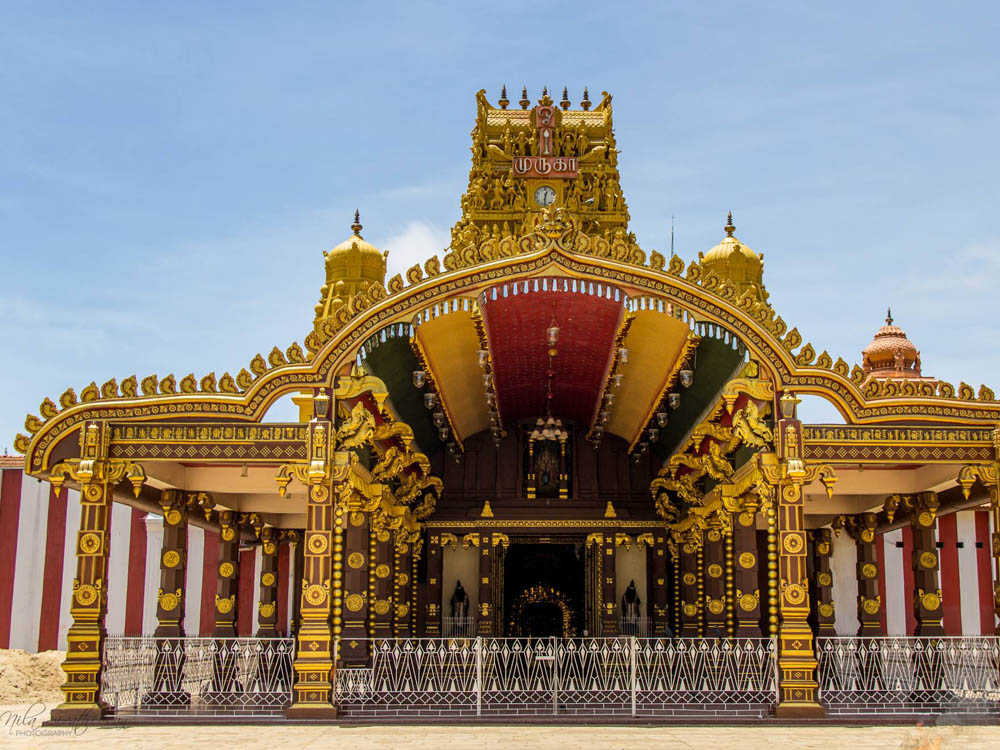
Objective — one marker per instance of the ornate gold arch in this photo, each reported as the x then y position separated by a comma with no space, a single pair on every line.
555,246
546,595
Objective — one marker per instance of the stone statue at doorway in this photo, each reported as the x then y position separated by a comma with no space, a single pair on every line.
630,610
459,602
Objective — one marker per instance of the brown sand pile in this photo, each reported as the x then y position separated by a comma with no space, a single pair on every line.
25,678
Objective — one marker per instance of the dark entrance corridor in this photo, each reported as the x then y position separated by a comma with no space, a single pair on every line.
544,589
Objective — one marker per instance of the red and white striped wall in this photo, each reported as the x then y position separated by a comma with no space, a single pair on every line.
38,564
966,575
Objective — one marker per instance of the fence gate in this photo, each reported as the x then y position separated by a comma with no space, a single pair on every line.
640,677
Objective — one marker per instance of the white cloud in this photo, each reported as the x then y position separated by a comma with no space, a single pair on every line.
976,268
418,241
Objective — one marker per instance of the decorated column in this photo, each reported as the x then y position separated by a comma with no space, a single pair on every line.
267,606
227,585
787,473
924,559
227,576
97,477
168,669
609,587
381,584
713,568
745,570
822,599
312,692
862,528
435,570
690,549
354,644
660,610
402,594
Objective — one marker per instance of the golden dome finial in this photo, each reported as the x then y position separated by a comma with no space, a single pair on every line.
356,226
729,225
888,317
525,101
565,100
585,104
503,101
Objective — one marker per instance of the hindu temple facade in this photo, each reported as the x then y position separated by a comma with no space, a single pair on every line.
548,473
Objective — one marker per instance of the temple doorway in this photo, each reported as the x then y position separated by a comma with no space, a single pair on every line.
544,589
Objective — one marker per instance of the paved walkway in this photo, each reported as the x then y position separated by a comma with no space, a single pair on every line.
20,726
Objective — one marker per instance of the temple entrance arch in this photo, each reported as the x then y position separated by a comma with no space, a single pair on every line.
542,612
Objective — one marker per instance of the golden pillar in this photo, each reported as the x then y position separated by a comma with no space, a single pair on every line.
787,473
97,477
312,692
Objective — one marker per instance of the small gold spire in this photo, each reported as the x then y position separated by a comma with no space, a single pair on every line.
888,317
585,104
525,101
565,100
729,225
356,226
504,101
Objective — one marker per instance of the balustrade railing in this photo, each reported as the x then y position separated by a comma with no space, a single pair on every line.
562,676
911,675
626,675
212,676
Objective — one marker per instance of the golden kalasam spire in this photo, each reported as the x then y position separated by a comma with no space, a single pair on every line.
736,263
353,266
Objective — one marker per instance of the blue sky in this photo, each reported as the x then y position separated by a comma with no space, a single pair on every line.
171,173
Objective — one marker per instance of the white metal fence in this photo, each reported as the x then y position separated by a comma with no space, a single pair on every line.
210,676
555,676
912,675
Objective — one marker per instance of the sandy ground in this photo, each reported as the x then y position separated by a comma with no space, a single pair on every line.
21,726
28,677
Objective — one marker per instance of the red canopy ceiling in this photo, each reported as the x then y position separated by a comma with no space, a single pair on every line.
516,317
